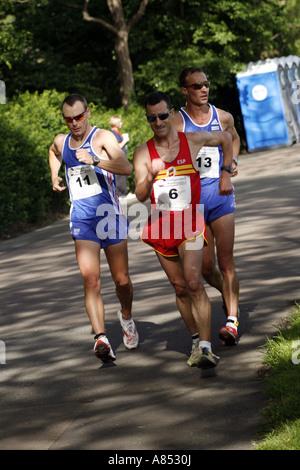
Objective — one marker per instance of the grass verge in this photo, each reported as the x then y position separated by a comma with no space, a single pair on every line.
281,368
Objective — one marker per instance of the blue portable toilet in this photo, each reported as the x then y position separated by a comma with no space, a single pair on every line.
265,101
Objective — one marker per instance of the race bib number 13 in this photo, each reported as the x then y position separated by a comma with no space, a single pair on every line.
83,181
208,160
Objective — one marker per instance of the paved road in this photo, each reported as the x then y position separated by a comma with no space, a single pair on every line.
56,395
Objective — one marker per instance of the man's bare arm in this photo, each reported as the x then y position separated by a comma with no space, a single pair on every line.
55,160
112,157
145,172
177,122
214,139
227,123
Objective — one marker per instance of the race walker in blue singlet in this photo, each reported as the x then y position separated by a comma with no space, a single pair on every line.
95,212
210,161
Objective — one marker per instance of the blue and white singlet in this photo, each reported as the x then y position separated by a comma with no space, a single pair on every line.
210,161
93,194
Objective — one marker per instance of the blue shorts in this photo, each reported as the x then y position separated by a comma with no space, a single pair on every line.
215,205
107,230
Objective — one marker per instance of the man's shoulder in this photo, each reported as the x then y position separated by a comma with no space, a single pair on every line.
142,147
225,116
59,141
140,152
177,122
101,135
60,136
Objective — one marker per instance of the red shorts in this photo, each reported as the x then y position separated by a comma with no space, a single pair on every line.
165,231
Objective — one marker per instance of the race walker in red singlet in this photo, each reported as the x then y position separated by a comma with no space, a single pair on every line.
176,215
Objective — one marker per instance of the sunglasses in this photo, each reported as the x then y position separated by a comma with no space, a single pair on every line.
161,116
198,86
77,118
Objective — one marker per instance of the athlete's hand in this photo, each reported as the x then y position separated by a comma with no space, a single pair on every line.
156,166
83,156
225,185
57,185
235,169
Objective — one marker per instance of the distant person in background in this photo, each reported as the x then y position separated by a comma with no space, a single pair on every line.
121,180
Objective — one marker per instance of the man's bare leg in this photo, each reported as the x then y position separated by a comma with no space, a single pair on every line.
223,230
88,258
117,258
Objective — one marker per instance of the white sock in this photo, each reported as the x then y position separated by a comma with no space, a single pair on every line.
231,322
195,338
205,344
128,320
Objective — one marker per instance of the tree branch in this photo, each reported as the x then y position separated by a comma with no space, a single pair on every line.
87,17
70,5
138,14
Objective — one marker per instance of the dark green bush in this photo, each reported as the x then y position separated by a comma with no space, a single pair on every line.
28,124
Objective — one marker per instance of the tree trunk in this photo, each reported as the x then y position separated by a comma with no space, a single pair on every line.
121,30
125,71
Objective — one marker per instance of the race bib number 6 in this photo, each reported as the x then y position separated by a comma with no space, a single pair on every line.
173,193
83,181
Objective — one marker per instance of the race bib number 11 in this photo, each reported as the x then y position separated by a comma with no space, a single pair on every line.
83,181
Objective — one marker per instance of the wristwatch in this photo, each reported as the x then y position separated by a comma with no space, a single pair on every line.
235,161
96,160
227,168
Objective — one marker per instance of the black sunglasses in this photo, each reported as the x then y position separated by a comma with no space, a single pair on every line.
161,116
199,85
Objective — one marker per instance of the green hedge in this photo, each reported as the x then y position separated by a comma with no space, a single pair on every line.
29,124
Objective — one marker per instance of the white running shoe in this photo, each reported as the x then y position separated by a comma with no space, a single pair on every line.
130,334
206,359
103,350
193,359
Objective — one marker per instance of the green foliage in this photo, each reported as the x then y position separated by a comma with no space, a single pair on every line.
28,125
134,122
282,416
62,52
285,437
52,47
222,37
139,130
46,45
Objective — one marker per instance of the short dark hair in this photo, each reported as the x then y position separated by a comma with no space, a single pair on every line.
156,97
70,100
186,72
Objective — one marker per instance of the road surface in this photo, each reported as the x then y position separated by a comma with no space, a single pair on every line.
56,395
